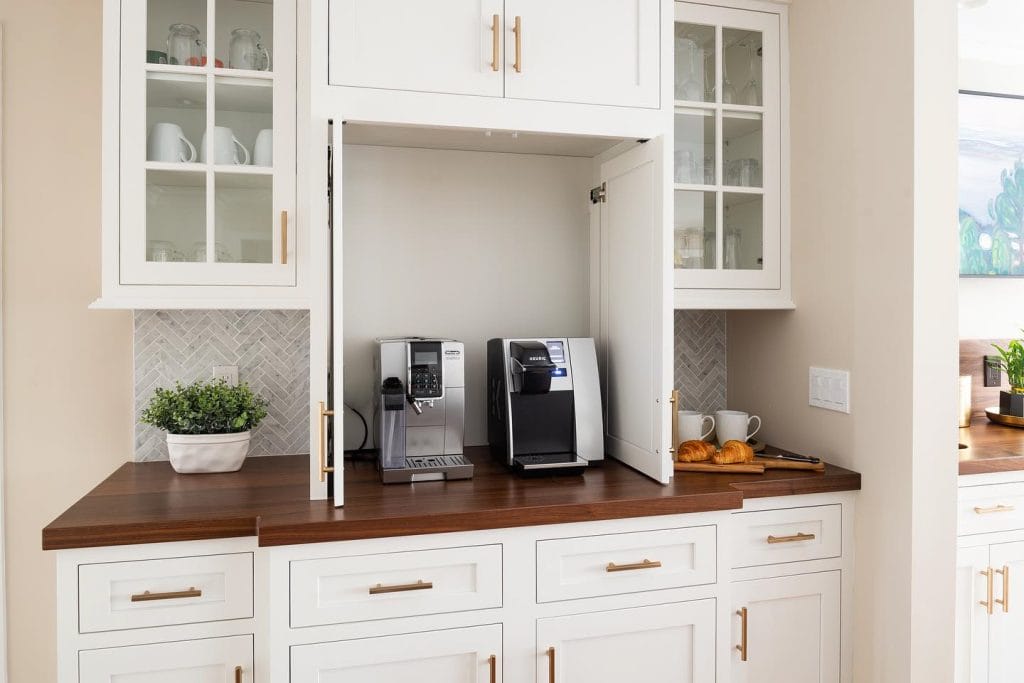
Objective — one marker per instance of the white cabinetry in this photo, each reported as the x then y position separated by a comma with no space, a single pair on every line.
605,53
210,660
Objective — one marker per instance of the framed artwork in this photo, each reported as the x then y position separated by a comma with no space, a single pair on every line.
991,191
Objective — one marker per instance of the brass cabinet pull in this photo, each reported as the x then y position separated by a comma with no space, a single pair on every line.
322,441
987,604
1005,600
551,665
238,674
994,508
646,564
518,30
284,238
146,596
496,42
492,661
401,588
742,647
791,539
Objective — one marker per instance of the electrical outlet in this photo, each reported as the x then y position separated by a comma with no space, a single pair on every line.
830,389
993,375
228,373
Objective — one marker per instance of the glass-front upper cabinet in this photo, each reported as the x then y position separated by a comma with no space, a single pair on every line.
207,143
727,149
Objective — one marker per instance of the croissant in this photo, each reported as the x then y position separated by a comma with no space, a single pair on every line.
694,451
733,452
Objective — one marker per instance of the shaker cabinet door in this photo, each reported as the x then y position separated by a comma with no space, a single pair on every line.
1006,626
211,660
972,620
583,51
443,47
786,630
672,643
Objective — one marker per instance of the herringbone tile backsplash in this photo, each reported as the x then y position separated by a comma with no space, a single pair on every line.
700,362
270,348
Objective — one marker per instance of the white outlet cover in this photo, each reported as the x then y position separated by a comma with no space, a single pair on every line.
228,373
829,389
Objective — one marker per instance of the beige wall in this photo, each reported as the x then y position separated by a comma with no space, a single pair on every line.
874,280
68,370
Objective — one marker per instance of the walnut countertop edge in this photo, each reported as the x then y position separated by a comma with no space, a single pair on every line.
268,498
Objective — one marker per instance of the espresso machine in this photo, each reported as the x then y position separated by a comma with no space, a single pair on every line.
544,410
419,390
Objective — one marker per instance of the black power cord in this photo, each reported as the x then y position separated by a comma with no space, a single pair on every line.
361,453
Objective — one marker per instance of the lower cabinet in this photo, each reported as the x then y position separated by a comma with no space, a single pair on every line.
461,655
787,629
210,660
672,643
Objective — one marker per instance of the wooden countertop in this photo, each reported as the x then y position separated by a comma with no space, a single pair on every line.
268,498
990,447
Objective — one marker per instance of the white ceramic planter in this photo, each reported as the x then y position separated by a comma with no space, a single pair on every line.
206,453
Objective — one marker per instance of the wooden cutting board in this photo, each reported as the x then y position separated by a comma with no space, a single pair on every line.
757,467
776,464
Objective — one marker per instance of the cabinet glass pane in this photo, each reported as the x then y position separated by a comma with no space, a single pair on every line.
175,117
743,149
244,219
742,59
695,147
176,32
175,214
694,218
695,62
743,238
245,34
244,122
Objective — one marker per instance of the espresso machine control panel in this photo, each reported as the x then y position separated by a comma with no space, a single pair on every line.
425,371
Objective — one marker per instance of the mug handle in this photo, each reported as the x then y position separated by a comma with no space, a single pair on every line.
266,56
244,151
707,433
191,151
757,429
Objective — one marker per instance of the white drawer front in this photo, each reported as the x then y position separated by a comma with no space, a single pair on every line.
996,507
340,590
589,566
181,590
790,535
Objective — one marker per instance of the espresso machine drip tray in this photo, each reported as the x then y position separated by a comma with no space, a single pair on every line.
429,468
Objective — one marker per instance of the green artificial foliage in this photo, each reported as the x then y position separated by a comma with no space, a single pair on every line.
213,407
1011,361
999,253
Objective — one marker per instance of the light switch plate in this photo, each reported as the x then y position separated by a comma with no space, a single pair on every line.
228,373
830,389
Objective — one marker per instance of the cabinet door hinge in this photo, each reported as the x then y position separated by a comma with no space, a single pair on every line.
599,195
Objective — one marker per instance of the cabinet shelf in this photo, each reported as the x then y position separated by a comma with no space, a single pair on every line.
734,189
731,110
194,175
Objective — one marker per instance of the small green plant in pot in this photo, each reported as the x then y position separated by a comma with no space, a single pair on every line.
1011,361
208,424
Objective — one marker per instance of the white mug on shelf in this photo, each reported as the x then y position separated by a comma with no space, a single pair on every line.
263,150
225,148
734,425
691,425
167,143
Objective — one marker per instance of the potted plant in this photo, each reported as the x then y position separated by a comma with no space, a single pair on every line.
1011,361
208,424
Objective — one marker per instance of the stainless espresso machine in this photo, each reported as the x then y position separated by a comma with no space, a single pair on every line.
419,390
544,404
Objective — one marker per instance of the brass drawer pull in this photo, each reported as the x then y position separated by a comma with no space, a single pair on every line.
1005,601
646,564
987,604
492,661
742,647
551,665
322,441
791,539
496,42
284,238
401,588
518,30
238,674
994,508
146,596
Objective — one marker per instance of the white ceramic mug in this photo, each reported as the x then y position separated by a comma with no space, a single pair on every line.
225,148
734,425
167,143
263,150
691,425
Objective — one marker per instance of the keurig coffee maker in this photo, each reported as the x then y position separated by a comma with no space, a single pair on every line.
544,404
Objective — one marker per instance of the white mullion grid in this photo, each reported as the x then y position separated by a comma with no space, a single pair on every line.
211,122
720,156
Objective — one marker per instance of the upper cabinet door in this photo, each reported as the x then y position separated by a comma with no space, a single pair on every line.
452,47
583,51
728,170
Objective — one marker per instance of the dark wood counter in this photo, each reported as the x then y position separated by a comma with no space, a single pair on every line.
268,498
990,447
